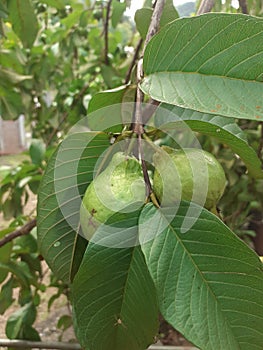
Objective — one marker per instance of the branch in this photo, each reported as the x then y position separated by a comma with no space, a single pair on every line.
138,126
68,346
154,25
106,33
135,56
205,6
38,345
260,146
243,6
24,230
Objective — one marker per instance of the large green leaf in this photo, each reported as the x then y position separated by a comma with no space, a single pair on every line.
224,129
211,63
24,21
114,300
67,176
209,283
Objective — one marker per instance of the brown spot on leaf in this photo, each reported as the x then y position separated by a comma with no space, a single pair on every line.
93,211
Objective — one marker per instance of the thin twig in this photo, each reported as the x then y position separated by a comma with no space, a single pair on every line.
138,125
153,28
144,168
260,146
205,6
243,6
135,56
106,33
24,230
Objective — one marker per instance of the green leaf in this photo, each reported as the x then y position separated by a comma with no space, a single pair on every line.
209,282
5,251
11,105
24,21
64,322
143,17
71,19
6,296
9,77
169,13
69,172
106,111
5,254
210,63
25,244
25,316
3,11
59,4
14,60
224,129
37,151
114,300
30,333
110,76
118,9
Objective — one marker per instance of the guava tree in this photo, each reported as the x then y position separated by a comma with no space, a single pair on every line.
206,72
131,246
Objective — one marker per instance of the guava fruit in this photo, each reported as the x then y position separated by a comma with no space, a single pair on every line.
188,174
120,188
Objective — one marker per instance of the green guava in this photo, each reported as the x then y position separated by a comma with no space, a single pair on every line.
120,188
188,174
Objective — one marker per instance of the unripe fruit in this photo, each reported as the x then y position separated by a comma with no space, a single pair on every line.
119,188
190,174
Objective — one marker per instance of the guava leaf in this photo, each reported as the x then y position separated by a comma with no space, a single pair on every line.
25,316
110,109
59,4
211,63
3,11
24,21
208,281
118,8
143,17
37,151
224,129
114,300
69,172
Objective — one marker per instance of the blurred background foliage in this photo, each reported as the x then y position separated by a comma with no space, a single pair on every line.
50,67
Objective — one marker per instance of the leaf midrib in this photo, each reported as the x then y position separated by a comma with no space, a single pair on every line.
200,274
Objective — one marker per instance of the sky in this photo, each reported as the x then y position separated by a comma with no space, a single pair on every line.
136,4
